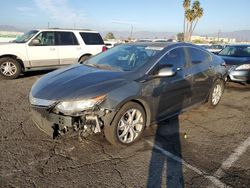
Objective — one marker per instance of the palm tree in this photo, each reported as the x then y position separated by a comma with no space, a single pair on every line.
198,13
186,6
192,17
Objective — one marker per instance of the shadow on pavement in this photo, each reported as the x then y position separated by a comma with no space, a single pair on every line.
34,73
167,138
237,86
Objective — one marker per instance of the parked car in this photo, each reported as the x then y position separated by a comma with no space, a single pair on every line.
144,40
110,44
164,40
237,58
46,49
126,89
215,48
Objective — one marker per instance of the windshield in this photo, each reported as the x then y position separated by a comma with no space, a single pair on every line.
124,57
25,37
236,51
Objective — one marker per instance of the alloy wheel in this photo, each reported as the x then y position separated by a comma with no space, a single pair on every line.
8,68
217,93
130,126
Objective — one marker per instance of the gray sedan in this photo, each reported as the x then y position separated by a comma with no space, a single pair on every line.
125,89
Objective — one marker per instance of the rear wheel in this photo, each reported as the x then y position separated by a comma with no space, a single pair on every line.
127,126
9,68
84,58
216,93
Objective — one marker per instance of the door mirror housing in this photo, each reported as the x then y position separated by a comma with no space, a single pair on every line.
35,42
166,72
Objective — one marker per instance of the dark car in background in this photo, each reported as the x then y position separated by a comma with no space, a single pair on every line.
237,58
215,48
126,89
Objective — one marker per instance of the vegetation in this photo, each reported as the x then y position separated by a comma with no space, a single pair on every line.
180,37
109,35
191,17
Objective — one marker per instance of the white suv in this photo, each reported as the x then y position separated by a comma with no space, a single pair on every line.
48,49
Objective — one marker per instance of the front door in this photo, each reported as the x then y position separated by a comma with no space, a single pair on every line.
172,94
43,52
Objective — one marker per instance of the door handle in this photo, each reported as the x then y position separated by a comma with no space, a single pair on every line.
78,48
188,75
52,49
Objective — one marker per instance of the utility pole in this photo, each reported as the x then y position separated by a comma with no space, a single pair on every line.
219,35
48,25
131,33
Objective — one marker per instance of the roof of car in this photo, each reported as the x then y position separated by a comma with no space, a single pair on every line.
161,44
77,30
153,44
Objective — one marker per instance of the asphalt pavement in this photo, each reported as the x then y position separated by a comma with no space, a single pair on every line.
201,148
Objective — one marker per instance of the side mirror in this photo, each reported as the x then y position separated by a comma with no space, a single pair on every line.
166,72
35,42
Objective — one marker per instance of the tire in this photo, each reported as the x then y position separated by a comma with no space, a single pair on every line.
115,133
9,68
84,58
216,93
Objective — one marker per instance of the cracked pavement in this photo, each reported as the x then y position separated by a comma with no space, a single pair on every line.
202,137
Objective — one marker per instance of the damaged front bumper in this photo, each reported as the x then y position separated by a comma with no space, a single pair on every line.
56,125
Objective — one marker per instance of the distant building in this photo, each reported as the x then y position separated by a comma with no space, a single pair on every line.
206,39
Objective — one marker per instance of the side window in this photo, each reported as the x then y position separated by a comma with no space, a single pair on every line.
45,38
198,56
66,38
92,38
175,58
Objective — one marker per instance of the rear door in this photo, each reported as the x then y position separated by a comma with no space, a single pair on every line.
69,49
93,42
202,73
45,52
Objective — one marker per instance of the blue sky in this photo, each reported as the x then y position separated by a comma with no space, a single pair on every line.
109,15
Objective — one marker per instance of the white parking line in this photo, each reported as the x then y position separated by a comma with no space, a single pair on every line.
241,149
213,179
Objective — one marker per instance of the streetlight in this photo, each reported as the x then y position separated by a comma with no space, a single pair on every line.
126,23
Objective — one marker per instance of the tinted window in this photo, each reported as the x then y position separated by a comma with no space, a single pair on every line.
46,38
92,38
198,56
66,38
236,51
174,58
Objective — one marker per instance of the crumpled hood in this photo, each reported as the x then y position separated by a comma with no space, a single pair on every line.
77,82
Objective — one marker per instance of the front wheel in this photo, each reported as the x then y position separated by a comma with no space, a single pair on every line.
216,93
127,126
9,68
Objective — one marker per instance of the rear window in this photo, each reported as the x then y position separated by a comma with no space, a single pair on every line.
198,56
92,38
66,38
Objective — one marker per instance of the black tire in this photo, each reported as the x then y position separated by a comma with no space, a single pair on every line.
84,58
16,67
212,103
111,131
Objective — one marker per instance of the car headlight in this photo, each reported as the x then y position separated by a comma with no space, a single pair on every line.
243,67
70,107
